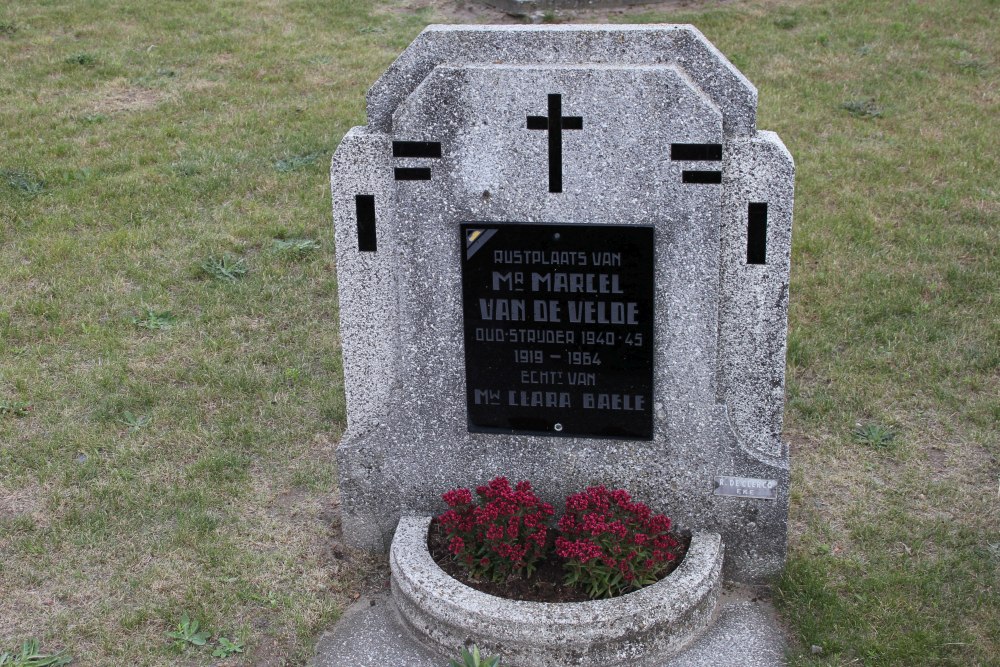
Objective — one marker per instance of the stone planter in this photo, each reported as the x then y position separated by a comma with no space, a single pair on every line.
657,620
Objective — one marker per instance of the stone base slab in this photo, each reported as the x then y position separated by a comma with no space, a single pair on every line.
372,634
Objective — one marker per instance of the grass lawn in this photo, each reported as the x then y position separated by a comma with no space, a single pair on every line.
170,382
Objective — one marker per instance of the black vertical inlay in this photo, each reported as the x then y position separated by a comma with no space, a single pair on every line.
364,206
555,143
757,233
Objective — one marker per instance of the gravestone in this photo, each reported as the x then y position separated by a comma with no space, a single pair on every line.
563,256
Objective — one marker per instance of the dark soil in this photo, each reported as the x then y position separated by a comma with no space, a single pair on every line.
545,585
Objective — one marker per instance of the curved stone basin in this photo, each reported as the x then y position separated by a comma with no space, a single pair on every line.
657,620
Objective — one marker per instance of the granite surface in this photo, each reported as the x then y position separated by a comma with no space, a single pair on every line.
567,44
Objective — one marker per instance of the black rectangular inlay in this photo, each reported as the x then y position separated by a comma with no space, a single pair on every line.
558,322
428,149
702,177
757,233
701,152
412,173
572,122
364,208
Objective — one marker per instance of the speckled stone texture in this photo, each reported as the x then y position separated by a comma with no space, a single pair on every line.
720,323
657,620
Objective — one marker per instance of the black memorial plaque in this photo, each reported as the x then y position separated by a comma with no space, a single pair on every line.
559,328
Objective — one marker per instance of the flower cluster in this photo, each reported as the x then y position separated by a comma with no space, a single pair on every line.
502,533
611,544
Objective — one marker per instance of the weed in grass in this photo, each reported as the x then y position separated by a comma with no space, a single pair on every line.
878,436
76,175
296,162
30,657
188,632
970,65
15,408
296,248
292,375
135,422
863,108
786,22
227,648
93,118
473,658
153,320
82,59
226,267
186,168
25,183
7,29
156,78
271,599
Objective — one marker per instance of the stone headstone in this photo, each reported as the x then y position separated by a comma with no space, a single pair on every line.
563,256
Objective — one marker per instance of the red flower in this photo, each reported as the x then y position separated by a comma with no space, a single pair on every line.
457,497
612,544
503,527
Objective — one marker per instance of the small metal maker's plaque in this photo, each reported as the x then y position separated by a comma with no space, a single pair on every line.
747,487
559,328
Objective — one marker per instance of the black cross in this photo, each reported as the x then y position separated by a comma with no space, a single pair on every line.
555,123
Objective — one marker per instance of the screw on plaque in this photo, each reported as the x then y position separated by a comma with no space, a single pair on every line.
558,427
